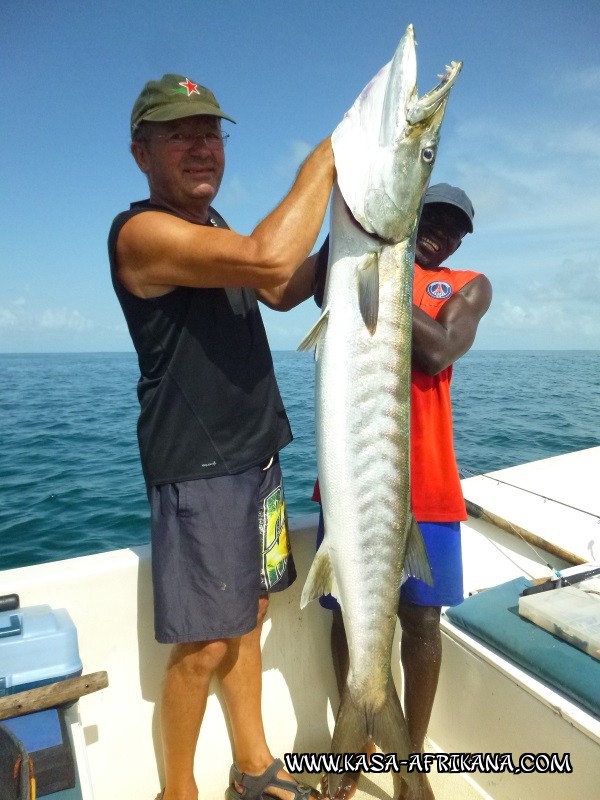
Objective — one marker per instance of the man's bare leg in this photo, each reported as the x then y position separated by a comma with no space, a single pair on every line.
240,675
339,650
185,692
421,654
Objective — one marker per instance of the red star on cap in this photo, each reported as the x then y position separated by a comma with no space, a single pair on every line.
190,86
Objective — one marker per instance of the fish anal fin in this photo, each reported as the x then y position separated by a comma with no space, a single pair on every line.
416,562
320,579
368,290
313,337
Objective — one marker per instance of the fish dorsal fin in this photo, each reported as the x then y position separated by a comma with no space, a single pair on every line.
313,337
321,578
416,562
368,290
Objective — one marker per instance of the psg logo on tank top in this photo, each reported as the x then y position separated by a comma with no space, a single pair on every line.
439,290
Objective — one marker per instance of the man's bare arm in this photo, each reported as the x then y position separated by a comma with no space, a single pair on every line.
157,251
290,294
437,343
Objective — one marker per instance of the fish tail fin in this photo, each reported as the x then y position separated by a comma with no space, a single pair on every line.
314,336
350,735
416,562
390,734
356,726
321,578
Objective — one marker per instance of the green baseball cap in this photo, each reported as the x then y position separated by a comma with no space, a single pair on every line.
173,97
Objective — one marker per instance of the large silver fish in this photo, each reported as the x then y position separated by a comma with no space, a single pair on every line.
384,149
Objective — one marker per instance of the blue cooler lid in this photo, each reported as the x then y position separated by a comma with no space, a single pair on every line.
38,645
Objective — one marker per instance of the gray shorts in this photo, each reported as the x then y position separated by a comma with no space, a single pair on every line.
217,545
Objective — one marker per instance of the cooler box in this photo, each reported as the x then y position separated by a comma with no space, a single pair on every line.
38,645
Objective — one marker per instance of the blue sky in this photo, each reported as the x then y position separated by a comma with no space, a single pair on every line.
521,135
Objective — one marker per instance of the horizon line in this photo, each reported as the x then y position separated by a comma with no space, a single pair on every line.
293,350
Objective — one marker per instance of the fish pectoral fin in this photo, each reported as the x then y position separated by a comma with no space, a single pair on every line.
416,562
368,290
320,579
313,337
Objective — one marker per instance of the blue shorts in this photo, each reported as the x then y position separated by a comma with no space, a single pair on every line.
442,542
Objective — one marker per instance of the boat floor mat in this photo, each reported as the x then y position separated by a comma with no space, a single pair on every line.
493,617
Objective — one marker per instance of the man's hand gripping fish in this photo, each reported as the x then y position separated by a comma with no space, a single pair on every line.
384,148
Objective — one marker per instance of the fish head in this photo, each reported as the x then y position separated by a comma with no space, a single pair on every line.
386,144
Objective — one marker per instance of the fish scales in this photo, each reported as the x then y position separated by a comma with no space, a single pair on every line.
370,487
384,151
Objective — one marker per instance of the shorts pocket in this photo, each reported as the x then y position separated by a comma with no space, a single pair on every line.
273,529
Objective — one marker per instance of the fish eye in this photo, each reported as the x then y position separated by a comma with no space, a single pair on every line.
428,154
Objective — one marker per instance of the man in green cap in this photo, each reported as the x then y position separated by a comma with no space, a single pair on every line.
212,421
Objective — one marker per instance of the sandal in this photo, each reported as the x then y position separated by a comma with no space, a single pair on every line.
254,786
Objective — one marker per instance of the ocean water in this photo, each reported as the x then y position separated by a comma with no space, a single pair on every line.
70,480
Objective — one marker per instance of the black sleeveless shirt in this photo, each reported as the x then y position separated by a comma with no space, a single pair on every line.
210,404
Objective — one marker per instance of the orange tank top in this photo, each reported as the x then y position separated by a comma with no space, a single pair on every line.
435,482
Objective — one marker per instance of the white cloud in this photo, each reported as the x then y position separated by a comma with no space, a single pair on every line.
534,317
535,176
65,320
580,81
8,319
25,320
562,308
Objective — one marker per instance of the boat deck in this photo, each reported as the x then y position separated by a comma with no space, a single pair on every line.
484,703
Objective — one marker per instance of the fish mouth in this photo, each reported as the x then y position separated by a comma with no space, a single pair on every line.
424,107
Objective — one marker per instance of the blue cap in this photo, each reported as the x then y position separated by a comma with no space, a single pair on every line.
444,193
